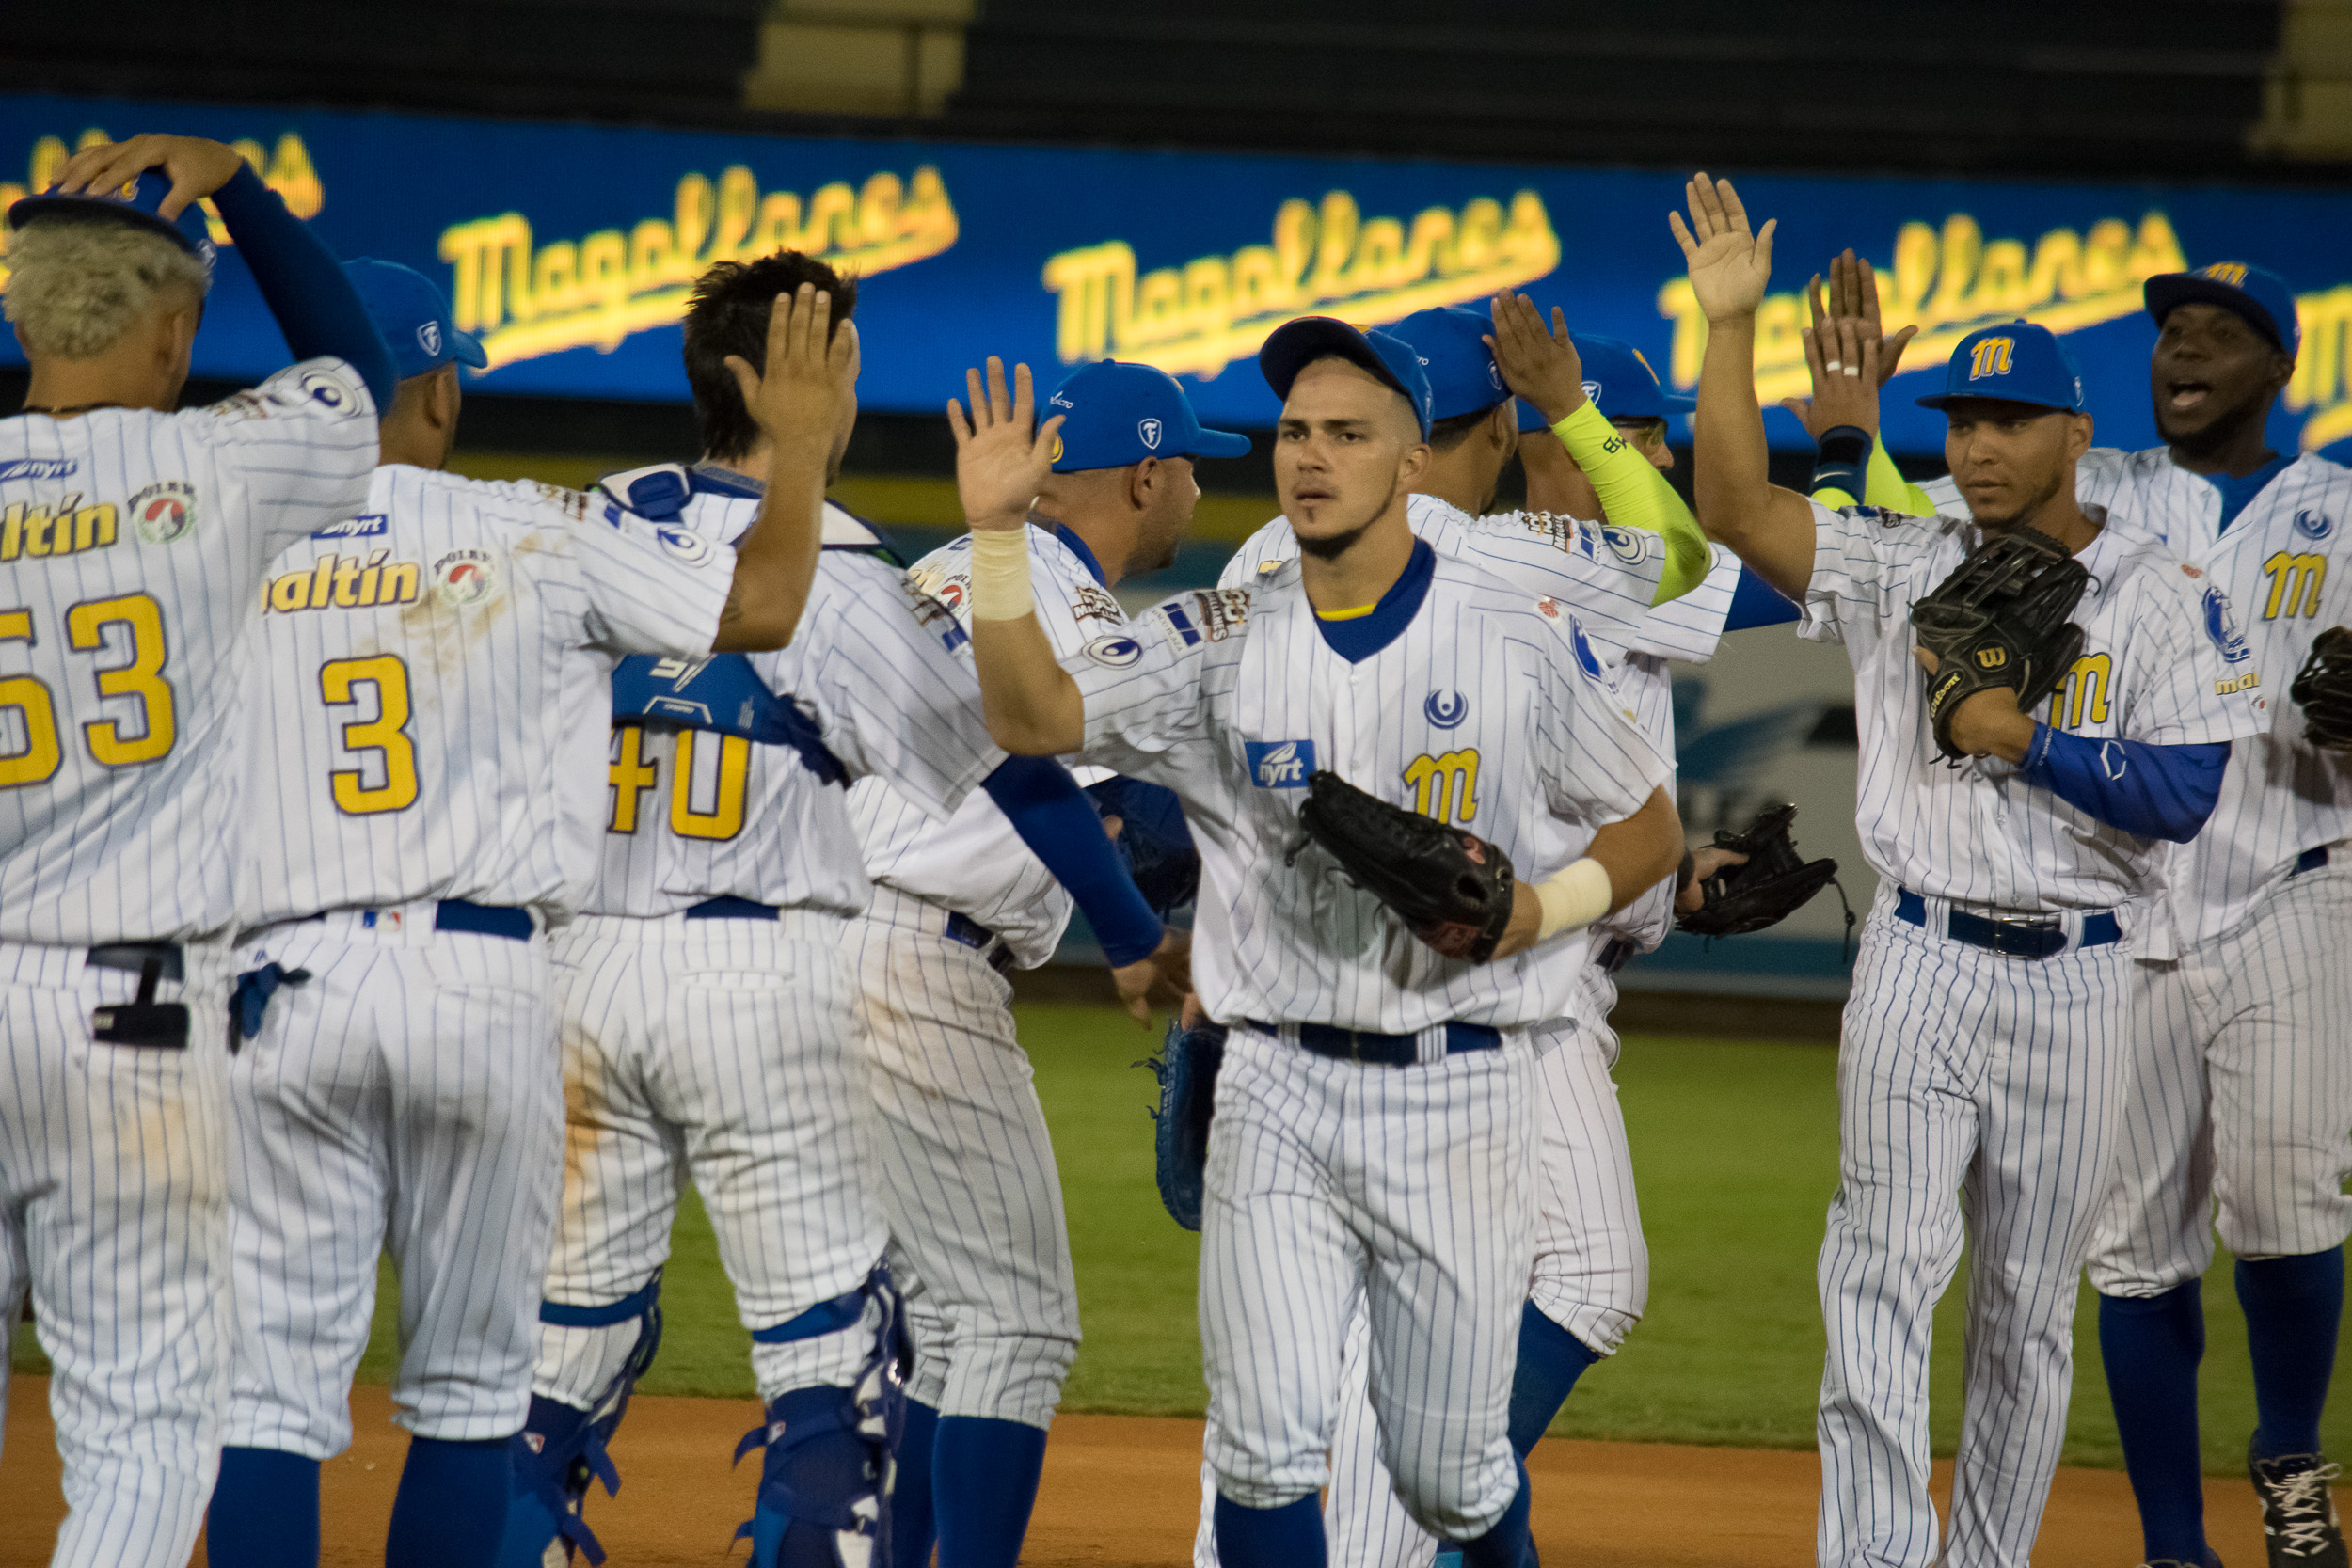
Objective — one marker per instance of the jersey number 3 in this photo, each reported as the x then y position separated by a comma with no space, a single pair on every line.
124,741
379,741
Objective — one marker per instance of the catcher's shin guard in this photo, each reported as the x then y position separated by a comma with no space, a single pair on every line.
827,1473
561,1448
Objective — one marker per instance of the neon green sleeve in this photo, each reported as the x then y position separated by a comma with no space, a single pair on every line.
1633,494
1884,486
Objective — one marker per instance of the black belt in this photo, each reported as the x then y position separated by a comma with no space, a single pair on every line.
1614,953
1363,1045
728,907
971,933
2310,859
2012,939
159,1025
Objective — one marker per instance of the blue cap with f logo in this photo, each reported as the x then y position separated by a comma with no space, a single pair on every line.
2014,362
412,313
1114,414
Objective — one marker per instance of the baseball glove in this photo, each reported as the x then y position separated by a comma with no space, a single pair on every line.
1186,1069
2323,689
1771,884
2000,619
1452,889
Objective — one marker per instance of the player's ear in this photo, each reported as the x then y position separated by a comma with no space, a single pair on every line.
441,405
2078,432
1141,481
1502,428
1413,464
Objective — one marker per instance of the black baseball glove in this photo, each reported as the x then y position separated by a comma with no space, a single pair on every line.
1452,889
1771,884
2323,689
2000,619
1186,1069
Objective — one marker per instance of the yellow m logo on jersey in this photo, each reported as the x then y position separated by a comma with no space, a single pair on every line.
2295,584
1991,357
1445,786
2084,693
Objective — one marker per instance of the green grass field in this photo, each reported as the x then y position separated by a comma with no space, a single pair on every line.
1736,1149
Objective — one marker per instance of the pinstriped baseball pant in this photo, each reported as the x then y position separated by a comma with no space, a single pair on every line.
2240,1098
112,1213
1999,1079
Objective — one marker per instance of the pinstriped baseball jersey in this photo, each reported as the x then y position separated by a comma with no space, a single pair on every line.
695,814
2162,662
2285,565
130,544
429,692
975,864
1488,709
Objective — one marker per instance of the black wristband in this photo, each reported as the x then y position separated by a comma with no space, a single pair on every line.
1845,449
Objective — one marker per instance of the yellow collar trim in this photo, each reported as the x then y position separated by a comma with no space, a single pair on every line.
1355,614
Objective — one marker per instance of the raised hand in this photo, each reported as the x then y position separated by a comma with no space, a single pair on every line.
1540,366
1728,267
1845,378
196,167
1854,295
1001,464
810,375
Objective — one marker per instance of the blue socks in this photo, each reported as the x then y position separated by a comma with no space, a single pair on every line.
912,1531
824,1471
451,1508
2151,1346
1507,1545
264,1512
984,1475
531,1520
2293,1305
1551,1361
1289,1536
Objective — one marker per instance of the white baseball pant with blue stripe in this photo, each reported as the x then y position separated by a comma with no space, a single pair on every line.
92,1219
2240,1096
1999,1079
980,1245
716,1050
405,1097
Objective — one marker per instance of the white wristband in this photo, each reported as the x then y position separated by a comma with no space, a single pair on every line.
1577,896
1000,573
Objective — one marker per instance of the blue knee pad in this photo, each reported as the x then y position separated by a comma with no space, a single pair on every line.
561,1448
827,1470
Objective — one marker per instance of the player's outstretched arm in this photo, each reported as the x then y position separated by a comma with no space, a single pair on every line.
1626,860
796,400
1543,368
1032,706
299,279
1769,529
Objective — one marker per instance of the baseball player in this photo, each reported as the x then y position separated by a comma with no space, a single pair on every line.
429,682
1620,382
1590,1280
968,1180
1985,1043
132,541
707,1000
1373,1125
2240,1079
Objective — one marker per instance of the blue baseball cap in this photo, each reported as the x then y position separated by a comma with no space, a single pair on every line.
2258,295
412,313
1452,344
2017,362
1114,414
138,211
1621,384
1296,345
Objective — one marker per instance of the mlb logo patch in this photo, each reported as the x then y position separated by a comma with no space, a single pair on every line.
1279,764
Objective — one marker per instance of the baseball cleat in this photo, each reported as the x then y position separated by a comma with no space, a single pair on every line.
2299,1523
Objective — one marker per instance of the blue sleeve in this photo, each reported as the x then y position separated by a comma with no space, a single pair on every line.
1757,603
1153,840
2153,791
1058,823
316,307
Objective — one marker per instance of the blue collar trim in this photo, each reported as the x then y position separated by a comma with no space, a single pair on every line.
1357,639
1086,555
2237,493
709,479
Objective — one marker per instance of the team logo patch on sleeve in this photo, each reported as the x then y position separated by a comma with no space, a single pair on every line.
1626,544
685,544
165,511
2222,627
1114,653
1278,764
1089,602
464,577
2310,525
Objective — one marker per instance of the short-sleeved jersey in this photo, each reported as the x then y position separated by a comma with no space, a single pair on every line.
696,813
1488,709
975,864
131,546
2285,561
430,688
2163,662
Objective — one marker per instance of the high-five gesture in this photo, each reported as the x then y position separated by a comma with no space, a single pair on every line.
1853,296
810,373
1540,366
1844,361
1728,265
1001,464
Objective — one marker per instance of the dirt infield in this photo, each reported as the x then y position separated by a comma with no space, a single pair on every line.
1123,1491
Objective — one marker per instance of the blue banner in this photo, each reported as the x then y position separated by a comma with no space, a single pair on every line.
570,249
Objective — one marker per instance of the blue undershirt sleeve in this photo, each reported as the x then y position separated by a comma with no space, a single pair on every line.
2153,791
1060,825
1757,603
304,286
